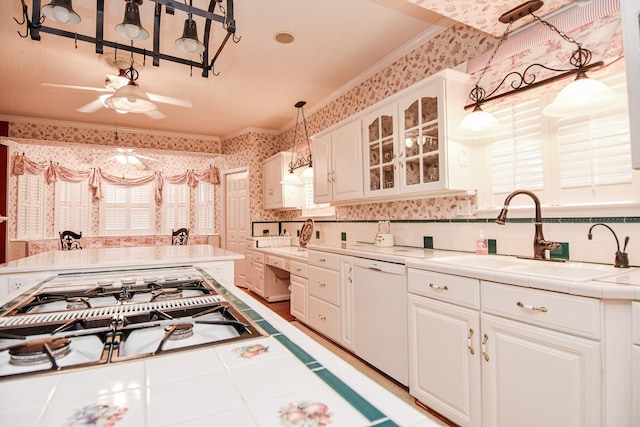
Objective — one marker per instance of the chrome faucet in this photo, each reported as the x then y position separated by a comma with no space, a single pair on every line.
621,259
540,245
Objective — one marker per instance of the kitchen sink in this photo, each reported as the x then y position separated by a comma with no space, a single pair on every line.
572,271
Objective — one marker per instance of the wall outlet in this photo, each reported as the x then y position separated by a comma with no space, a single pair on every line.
463,208
317,234
343,236
16,282
427,242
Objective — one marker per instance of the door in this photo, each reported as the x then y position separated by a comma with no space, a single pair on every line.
4,191
237,219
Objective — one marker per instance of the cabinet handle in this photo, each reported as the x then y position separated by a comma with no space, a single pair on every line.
439,287
531,307
484,347
321,317
298,270
323,260
471,350
349,275
322,284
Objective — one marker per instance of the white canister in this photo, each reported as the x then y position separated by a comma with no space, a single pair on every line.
383,240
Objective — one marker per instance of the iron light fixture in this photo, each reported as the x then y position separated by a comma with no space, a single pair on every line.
577,98
61,11
131,28
302,161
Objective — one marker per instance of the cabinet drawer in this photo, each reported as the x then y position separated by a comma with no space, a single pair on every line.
323,283
324,317
445,287
635,322
258,257
324,259
298,268
567,313
275,261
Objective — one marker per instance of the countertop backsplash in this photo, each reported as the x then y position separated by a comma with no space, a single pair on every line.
513,238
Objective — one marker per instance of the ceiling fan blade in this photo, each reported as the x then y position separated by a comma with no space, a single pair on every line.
91,107
140,156
95,89
169,100
155,114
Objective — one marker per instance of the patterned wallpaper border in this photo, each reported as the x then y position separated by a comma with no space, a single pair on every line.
558,220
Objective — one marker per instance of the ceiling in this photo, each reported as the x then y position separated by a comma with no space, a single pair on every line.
337,43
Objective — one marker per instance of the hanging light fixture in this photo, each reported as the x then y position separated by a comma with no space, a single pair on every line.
577,98
130,28
130,98
189,42
61,11
304,161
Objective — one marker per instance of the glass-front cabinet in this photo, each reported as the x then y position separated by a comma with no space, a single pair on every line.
407,145
380,131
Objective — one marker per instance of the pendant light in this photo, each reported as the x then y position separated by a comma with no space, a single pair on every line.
130,98
189,42
130,28
303,161
61,11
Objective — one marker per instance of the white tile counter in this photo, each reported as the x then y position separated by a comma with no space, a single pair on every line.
295,378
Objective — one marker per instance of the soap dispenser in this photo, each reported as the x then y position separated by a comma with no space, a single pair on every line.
482,245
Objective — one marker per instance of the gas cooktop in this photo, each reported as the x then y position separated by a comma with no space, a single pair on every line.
88,319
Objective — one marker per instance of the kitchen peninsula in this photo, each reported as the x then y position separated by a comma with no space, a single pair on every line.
280,378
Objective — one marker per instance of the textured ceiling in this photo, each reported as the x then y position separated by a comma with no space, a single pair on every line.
337,41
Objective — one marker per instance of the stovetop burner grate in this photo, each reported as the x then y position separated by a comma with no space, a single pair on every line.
112,311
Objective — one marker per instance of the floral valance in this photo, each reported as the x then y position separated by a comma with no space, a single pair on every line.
55,172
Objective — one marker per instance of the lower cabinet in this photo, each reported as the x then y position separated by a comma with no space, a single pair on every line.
524,357
298,284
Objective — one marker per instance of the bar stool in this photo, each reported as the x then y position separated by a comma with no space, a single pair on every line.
179,237
69,240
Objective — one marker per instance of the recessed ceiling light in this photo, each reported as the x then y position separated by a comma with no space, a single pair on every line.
284,37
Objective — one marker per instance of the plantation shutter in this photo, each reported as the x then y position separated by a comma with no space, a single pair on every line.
30,206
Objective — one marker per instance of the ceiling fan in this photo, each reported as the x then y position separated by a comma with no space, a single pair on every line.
123,95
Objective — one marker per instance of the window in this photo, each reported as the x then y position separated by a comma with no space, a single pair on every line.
176,206
71,206
204,208
30,206
127,210
566,161
310,209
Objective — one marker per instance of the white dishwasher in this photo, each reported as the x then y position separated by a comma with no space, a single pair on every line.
380,316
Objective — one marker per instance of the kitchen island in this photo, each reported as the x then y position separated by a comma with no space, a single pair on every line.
282,378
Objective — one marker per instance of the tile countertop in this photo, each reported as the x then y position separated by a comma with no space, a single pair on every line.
293,379
124,257
291,252
621,284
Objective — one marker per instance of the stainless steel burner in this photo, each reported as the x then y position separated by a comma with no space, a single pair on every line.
179,331
74,303
39,351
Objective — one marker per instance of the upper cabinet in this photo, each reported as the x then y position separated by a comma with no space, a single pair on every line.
337,165
277,195
408,146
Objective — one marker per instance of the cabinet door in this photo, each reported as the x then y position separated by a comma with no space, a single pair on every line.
380,134
346,153
444,359
298,306
272,175
536,377
322,168
346,302
324,318
258,278
422,158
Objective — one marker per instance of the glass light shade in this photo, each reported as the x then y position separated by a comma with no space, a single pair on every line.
130,98
61,11
582,97
189,42
122,159
130,28
291,179
307,174
479,124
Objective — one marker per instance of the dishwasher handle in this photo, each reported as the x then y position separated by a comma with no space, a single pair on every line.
379,266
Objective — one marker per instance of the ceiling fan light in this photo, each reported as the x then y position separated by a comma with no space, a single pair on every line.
189,42
582,97
130,98
130,28
122,159
478,125
61,11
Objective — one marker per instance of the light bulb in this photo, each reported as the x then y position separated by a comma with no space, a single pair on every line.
122,159
132,31
61,14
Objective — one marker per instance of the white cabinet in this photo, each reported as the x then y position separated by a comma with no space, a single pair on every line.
444,350
255,272
299,282
337,165
408,148
523,356
277,195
